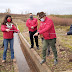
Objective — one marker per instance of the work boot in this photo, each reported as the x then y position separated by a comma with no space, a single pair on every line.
44,60
55,61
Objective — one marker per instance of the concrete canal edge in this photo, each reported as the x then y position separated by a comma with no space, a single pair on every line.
33,54
19,56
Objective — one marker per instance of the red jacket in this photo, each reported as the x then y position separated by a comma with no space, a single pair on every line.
8,35
46,28
30,23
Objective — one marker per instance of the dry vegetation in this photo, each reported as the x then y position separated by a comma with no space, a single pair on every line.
64,43
61,21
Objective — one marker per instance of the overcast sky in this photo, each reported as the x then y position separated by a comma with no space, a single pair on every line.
34,6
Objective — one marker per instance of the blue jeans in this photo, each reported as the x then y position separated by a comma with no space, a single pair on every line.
6,46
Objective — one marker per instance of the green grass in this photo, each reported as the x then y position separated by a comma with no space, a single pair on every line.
64,41
1,36
22,27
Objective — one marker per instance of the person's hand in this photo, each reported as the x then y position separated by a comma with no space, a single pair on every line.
32,27
18,31
36,34
7,30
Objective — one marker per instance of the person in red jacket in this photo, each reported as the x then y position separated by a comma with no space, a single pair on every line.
8,29
48,32
32,26
41,36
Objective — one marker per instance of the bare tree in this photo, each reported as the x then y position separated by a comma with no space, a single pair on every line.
8,10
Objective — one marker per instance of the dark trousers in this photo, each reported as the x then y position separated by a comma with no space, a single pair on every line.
31,38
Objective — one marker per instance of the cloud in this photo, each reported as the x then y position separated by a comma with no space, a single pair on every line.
50,6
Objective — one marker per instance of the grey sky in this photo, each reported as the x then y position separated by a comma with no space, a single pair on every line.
48,6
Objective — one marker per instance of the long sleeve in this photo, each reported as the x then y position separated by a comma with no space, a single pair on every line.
47,27
15,29
35,25
3,28
27,24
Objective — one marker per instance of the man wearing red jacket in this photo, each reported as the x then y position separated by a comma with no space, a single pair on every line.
48,31
32,26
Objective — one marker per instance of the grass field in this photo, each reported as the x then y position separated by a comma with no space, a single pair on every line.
64,47
64,43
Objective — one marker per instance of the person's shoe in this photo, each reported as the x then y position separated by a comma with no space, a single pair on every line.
48,53
44,60
14,60
3,61
31,47
55,61
38,48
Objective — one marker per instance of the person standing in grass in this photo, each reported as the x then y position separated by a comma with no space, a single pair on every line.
69,32
41,36
32,26
8,28
46,28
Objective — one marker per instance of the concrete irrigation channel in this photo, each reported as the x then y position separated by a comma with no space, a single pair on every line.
27,59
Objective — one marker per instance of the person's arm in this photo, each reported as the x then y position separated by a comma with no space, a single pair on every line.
48,26
3,29
15,29
37,33
27,24
69,33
